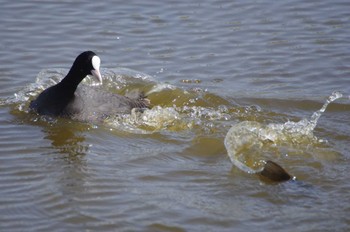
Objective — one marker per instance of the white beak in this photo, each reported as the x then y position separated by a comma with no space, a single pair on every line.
97,75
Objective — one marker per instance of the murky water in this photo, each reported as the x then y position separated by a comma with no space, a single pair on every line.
228,81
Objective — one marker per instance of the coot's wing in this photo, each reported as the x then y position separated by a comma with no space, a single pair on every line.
95,104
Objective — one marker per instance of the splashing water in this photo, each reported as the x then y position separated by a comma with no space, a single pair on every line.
175,109
174,119
149,121
248,142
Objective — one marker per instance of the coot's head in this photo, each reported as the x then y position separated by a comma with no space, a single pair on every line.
88,63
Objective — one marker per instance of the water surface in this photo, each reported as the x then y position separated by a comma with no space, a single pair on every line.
207,66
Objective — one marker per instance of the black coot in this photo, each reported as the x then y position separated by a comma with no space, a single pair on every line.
85,103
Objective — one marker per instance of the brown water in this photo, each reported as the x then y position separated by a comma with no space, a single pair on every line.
210,68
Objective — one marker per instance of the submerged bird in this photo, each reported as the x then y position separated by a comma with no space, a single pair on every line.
274,172
85,103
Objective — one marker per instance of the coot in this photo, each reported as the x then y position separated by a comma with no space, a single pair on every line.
85,103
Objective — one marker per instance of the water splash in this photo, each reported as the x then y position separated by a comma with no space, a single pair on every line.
44,79
175,109
172,118
160,87
316,115
248,143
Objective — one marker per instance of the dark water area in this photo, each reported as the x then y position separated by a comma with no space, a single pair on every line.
251,75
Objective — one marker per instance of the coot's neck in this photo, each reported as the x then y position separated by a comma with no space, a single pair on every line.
72,80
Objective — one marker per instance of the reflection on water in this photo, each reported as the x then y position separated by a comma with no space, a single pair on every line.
67,137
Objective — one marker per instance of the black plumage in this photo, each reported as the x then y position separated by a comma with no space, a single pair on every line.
85,103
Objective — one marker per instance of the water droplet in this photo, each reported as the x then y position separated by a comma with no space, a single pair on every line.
335,95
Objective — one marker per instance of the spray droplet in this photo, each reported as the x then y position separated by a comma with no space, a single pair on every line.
335,95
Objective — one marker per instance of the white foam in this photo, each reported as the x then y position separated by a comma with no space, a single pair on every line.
160,87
